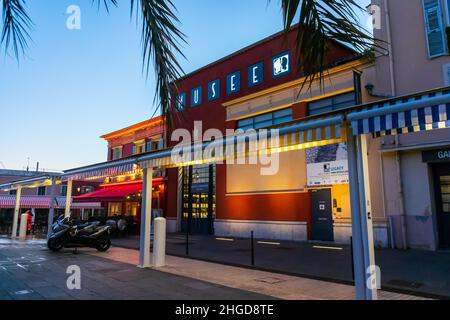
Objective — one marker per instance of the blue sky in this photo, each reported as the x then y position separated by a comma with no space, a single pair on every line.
75,85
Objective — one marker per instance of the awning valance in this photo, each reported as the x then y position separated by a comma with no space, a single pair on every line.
103,170
42,202
414,113
302,135
33,182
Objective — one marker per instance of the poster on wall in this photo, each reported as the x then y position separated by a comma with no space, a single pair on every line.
327,165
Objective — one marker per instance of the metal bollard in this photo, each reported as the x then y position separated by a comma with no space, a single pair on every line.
159,243
253,249
23,226
351,254
187,242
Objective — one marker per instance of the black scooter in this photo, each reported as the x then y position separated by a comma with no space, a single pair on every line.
65,234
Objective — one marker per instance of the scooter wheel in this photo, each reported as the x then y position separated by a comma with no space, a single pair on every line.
103,245
55,244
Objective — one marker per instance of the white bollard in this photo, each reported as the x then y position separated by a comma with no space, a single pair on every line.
23,226
159,243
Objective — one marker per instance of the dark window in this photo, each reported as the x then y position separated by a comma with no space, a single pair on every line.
41,191
332,103
63,191
86,189
12,192
266,120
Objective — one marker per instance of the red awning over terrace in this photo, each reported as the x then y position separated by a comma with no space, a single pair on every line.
113,193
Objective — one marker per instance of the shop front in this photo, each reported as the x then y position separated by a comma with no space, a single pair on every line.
439,162
198,189
122,200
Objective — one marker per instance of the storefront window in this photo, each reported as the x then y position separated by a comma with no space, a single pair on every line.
115,208
331,104
266,120
445,192
202,187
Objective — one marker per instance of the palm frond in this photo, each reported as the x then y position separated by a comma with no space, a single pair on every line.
161,41
319,21
16,25
106,3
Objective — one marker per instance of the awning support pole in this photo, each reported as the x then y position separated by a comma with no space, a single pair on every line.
16,213
68,198
51,210
366,219
362,237
146,219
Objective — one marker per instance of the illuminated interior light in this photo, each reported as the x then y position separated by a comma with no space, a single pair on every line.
270,243
225,239
328,248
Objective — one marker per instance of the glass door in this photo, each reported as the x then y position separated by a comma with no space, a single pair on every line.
442,193
198,199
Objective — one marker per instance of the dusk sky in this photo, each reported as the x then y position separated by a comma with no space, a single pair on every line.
75,85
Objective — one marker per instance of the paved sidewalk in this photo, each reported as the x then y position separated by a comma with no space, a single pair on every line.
266,283
28,271
423,272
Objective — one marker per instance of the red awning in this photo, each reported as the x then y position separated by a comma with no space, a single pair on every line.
115,193
41,202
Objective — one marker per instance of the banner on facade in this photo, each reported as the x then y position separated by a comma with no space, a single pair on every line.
327,165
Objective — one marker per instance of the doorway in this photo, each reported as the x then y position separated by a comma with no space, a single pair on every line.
322,216
198,199
442,198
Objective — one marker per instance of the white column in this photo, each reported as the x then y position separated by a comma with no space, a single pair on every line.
358,252
366,219
362,232
23,226
159,243
51,210
146,219
68,198
16,212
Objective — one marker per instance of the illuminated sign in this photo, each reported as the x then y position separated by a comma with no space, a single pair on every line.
214,90
440,155
280,66
196,97
234,82
255,74
327,165
181,101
